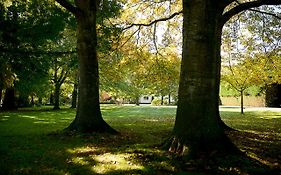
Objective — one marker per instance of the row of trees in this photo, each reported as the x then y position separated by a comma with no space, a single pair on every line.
197,119
27,30
49,69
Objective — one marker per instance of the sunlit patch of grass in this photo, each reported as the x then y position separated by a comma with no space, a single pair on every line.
256,157
268,117
114,162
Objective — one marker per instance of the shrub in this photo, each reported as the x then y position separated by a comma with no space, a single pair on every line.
157,102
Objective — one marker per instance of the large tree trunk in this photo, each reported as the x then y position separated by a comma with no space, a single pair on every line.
88,117
197,126
9,102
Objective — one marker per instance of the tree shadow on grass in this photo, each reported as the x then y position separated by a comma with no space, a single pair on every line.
58,153
261,146
105,154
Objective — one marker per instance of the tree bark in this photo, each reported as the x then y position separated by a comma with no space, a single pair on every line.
23,101
32,102
88,117
137,99
57,97
197,127
1,92
74,95
242,101
51,98
9,102
169,99
273,95
40,101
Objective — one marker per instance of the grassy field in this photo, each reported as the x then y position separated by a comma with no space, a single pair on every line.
31,143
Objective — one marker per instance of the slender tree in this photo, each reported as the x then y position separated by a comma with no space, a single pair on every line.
88,117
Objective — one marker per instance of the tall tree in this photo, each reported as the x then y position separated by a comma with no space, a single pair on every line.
197,128
88,117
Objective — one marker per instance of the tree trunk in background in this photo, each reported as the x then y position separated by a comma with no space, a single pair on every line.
74,95
137,100
242,101
197,127
32,102
9,101
162,100
1,92
88,117
51,98
169,99
23,101
57,97
40,101
273,95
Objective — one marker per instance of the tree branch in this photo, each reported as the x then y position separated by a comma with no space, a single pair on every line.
155,38
155,21
67,5
245,6
266,13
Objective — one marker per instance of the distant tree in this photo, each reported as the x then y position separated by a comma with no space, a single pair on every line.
164,75
240,77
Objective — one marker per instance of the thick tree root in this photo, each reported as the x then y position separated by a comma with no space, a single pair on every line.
220,157
193,150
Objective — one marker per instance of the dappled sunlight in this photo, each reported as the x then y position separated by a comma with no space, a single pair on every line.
44,122
103,162
4,118
259,159
271,117
121,116
115,162
263,134
27,116
151,120
40,119
84,150
79,160
48,117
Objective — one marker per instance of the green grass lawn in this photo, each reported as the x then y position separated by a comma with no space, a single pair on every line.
31,143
